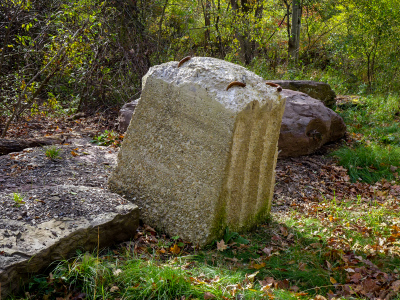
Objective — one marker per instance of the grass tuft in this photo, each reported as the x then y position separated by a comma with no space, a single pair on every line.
52,152
369,163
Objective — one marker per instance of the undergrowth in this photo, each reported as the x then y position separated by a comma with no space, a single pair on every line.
374,131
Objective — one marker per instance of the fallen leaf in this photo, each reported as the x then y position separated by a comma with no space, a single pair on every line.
302,266
117,272
208,295
294,288
114,289
332,280
175,249
74,153
319,297
370,285
355,277
267,251
284,231
252,276
283,284
258,266
396,286
221,246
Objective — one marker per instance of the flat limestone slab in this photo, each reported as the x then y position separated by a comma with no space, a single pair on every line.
27,249
198,157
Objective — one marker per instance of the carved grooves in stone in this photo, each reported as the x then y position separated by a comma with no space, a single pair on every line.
246,185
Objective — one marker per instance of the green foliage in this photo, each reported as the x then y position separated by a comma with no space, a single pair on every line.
52,152
18,199
234,237
155,282
369,163
372,121
108,138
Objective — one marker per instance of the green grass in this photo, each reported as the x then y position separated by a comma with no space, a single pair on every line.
108,138
374,126
369,163
52,152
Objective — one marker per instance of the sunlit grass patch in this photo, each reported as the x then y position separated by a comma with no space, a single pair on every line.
368,227
369,163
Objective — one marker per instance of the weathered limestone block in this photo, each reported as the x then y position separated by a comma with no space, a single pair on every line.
198,157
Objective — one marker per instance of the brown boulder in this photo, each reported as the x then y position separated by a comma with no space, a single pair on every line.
125,115
317,90
307,125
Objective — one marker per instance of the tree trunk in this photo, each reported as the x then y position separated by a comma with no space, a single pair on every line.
294,39
247,46
207,22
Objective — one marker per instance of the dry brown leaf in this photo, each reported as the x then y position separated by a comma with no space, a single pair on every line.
283,284
208,295
370,285
175,249
302,266
320,297
221,246
258,266
284,231
355,277
267,251
332,280
117,272
396,286
114,288
294,288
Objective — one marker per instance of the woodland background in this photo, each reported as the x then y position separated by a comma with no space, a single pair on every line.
60,57
91,55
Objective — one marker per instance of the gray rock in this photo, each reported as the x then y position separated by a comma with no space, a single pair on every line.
317,90
307,125
26,249
198,157
125,114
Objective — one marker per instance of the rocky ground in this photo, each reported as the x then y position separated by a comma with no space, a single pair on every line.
35,188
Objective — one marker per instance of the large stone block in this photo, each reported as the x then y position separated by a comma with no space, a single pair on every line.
198,157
